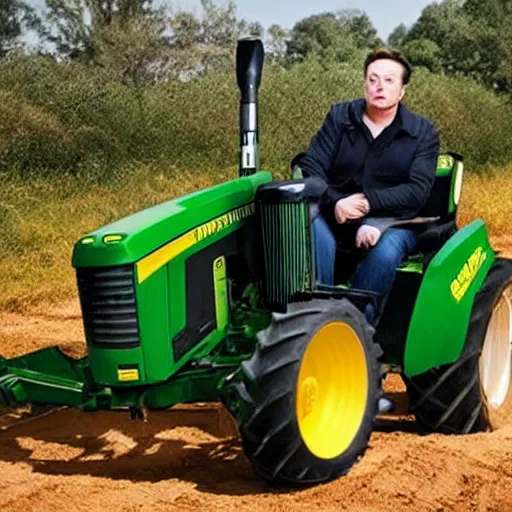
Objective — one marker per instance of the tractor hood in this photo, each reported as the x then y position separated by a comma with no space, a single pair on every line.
131,238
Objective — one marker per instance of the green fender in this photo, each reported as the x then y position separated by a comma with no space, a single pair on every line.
439,322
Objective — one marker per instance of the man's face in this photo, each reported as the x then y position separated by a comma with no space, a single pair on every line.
383,87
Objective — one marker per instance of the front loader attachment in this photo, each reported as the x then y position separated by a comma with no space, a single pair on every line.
49,377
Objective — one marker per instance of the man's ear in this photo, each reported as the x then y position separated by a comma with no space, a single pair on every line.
402,93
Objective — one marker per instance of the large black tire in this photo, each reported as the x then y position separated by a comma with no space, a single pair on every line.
453,399
275,389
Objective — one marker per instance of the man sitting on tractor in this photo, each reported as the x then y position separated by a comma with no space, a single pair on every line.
378,159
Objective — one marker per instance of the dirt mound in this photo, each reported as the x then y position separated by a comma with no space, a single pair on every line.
190,458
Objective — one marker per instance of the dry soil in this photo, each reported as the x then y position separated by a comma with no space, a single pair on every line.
190,458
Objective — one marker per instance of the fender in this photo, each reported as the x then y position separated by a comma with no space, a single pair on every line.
439,322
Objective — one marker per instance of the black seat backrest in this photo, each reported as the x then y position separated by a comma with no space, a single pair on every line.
444,198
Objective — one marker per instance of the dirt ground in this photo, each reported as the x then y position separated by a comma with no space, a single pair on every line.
189,458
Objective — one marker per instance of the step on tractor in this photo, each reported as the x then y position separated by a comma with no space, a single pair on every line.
212,297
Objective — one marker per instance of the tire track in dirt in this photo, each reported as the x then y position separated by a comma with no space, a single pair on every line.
190,458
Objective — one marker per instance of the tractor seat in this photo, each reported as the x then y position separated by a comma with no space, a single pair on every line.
436,219
445,194
436,222
442,204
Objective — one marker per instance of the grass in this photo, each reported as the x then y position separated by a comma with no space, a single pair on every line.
47,216
41,218
489,196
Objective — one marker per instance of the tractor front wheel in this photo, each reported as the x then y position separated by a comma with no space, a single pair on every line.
474,393
309,394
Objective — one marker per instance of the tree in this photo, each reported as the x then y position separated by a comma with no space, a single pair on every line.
74,27
424,52
436,21
220,25
126,37
360,27
133,50
66,28
396,38
15,18
275,44
202,44
492,12
314,35
255,29
493,19
186,30
434,40
331,36
470,38
319,35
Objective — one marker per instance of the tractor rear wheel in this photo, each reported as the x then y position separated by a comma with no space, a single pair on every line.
310,393
475,392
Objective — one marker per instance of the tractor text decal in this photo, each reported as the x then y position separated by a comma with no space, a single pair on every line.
220,223
156,260
465,277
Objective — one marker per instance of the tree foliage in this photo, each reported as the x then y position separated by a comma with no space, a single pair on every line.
203,43
16,17
140,43
276,41
397,36
331,36
424,52
469,37
76,27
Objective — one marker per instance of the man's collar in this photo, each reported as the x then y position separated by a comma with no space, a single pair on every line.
407,120
356,111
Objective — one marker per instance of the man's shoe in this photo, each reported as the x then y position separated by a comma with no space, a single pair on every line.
386,405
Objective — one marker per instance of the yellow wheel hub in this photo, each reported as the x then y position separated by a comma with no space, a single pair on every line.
332,390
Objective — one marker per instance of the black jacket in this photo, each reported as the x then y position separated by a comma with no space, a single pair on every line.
398,170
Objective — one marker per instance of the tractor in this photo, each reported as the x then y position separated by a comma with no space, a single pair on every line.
212,297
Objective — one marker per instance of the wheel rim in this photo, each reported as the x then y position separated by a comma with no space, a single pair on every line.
332,390
496,358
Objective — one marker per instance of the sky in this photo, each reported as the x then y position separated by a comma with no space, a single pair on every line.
385,15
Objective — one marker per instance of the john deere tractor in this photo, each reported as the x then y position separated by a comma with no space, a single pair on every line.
213,297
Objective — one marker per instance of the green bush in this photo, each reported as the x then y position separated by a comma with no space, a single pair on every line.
68,117
471,119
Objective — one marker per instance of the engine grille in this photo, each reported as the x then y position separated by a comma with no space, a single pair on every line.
288,257
109,309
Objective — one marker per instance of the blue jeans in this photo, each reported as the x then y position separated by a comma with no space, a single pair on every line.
376,272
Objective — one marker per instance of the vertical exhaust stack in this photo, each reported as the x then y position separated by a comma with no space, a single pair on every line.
249,66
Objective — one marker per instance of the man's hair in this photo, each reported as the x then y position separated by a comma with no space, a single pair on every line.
386,53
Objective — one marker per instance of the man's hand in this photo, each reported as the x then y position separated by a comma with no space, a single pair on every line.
367,236
351,207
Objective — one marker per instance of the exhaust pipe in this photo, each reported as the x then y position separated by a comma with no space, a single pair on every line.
249,66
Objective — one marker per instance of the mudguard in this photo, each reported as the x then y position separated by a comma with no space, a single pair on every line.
439,322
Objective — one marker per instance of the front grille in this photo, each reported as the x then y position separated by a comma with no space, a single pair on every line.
288,257
107,297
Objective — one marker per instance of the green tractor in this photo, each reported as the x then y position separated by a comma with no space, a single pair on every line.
213,297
